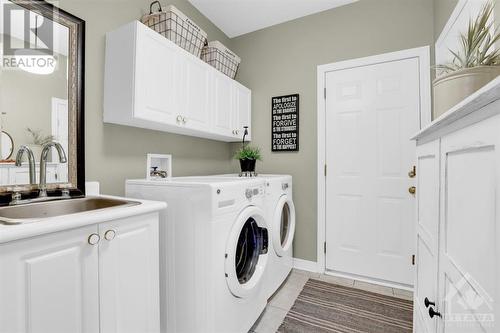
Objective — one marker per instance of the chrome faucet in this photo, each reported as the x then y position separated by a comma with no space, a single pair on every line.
31,161
43,164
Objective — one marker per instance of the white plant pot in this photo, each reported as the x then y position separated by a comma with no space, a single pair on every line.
452,88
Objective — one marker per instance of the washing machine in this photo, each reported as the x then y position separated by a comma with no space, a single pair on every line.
280,212
214,252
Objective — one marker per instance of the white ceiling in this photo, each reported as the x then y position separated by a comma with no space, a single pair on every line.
238,17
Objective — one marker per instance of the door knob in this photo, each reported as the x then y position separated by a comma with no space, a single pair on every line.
109,235
433,313
413,172
427,303
412,190
94,239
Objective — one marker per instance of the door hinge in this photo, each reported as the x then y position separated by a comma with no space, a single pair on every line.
324,93
325,170
324,247
413,260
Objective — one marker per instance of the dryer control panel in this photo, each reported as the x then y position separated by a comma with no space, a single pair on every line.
254,191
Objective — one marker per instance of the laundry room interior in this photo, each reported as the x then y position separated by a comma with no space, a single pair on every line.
249,166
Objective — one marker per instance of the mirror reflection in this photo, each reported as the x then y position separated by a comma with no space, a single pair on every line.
33,93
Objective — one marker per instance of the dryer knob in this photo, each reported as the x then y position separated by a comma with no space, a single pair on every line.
249,193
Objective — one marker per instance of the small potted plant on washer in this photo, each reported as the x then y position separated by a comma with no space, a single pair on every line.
248,157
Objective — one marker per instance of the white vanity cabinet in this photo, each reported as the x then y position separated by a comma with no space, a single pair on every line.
458,225
152,83
97,278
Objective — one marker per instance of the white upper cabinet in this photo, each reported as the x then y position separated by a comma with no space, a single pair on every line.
243,103
152,83
156,77
223,107
195,94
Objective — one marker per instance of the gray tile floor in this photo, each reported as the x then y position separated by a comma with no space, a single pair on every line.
283,300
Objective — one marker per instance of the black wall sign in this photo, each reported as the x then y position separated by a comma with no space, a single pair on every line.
285,123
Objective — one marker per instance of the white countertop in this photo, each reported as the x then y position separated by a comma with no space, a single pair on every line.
10,233
470,110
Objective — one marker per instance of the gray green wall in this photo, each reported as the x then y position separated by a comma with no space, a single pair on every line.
442,12
283,59
113,152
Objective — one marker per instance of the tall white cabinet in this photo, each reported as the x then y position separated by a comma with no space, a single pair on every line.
458,222
152,83
97,278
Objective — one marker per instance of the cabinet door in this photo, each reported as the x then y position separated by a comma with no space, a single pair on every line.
223,109
469,229
50,284
243,102
156,78
129,275
195,94
426,281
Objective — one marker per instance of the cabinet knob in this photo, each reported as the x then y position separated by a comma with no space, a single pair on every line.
433,313
179,118
237,132
109,235
427,303
94,239
412,190
184,120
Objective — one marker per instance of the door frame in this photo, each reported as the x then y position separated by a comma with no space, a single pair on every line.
423,56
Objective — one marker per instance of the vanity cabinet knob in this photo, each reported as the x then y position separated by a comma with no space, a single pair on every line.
412,190
427,303
94,239
109,235
237,132
433,313
179,118
184,120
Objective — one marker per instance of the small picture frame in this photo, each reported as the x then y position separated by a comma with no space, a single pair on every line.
159,167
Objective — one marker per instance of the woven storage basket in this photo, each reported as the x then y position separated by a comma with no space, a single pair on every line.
222,58
177,27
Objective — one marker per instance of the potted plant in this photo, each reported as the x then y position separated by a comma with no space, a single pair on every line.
473,66
248,156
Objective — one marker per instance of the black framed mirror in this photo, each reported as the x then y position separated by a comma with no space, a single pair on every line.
42,93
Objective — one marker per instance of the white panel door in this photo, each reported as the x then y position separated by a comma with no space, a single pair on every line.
224,118
195,94
426,277
371,113
50,284
243,102
157,77
129,275
469,232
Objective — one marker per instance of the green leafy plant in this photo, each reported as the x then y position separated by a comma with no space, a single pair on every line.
38,138
248,152
477,44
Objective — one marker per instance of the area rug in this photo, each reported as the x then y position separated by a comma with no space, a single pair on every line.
326,307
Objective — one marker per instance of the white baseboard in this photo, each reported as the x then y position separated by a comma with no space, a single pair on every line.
305,265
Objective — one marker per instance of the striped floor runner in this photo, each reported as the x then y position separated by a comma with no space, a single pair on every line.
325,307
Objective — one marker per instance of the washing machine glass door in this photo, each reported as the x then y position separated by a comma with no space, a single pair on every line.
283,225
246,252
